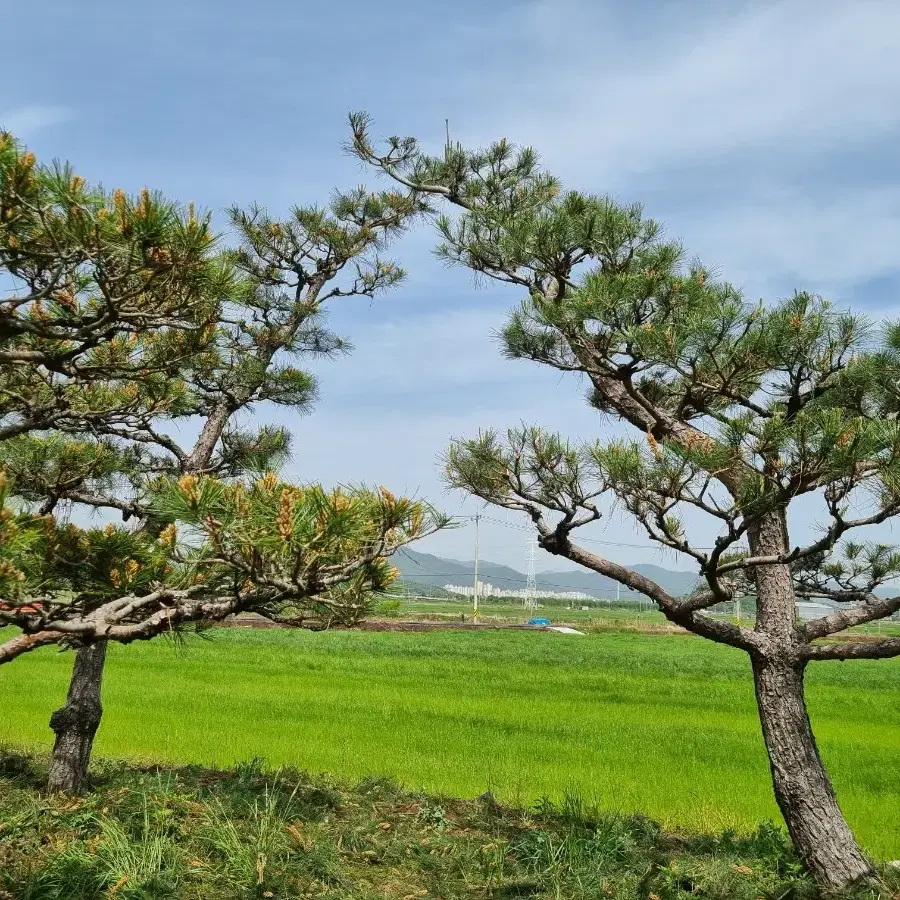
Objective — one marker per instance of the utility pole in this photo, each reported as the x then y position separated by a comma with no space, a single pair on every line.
475,587
530,601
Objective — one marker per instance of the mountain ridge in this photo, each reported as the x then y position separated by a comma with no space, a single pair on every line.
426,568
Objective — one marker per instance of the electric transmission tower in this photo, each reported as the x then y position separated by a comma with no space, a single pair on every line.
64,512
530,602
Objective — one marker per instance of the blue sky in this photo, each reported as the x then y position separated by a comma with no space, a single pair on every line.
763,134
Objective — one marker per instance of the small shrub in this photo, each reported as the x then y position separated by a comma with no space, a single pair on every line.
251,769
433,815
379,787
390,609
249,852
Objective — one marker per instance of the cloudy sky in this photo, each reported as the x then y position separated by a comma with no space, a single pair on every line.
763,134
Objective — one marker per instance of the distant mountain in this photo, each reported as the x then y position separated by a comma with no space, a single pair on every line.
425,568
428,569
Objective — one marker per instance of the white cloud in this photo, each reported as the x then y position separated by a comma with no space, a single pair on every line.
25,121
630,97
753,130
731,121
414,355
785,239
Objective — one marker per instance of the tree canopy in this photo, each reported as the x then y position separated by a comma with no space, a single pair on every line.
738,409
127,324
741,407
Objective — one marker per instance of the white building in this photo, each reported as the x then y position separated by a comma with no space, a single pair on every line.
806,610
486,589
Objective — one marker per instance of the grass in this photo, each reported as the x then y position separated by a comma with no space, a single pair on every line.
191,833
659,725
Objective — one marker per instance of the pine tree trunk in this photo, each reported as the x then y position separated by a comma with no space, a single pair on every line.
208,438
817,826
77,722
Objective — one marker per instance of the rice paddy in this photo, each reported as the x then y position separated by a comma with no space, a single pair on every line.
663,725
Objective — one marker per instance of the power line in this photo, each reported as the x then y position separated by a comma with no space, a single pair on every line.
654,547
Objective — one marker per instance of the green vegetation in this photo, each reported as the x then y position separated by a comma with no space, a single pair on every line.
125,318
664,726
193,832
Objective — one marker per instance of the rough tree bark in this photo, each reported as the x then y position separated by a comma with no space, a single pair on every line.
76,723
803,789
209,437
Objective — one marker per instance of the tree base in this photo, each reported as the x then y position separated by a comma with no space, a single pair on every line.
76,723
803,789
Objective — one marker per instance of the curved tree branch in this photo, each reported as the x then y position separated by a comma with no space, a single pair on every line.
869,611
886,648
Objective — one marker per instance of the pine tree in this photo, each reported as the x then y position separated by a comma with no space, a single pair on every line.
93,420
101,289
739,409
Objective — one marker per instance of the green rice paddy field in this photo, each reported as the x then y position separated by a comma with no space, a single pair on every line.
662,724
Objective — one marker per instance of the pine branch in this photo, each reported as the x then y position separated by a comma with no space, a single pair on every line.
25,643
886,648
871,610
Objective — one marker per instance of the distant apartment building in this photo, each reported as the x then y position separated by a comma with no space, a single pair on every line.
813,610
486,589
